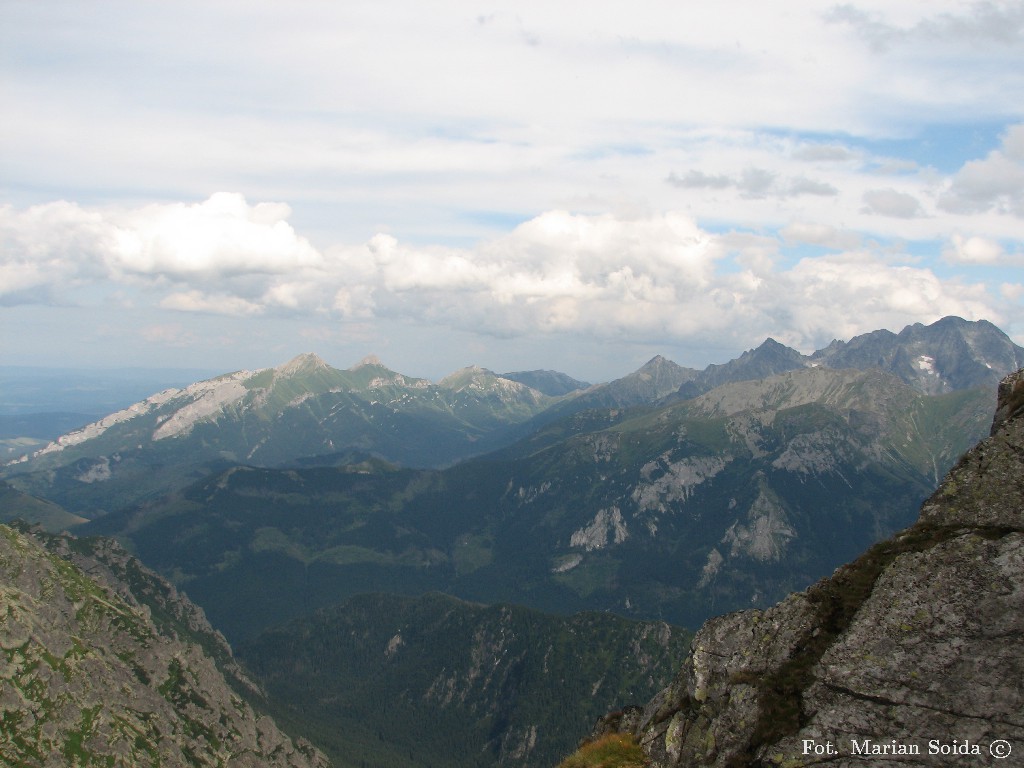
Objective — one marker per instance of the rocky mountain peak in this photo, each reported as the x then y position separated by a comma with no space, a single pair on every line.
657,364
371,360
306,363
471,375
949,354
909,654
660,371
768,359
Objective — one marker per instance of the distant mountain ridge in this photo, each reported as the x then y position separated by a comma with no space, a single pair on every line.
271,417
551,383
305,411
948,355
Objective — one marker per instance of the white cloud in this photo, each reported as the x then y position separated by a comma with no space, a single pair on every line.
843,295
829,153
46,243
694,179
60,244
220,236
652,276
994,183
973,250
215,304
820,234
804,186
558,270
892,203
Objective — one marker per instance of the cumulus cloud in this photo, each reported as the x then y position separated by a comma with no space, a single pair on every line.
652,276
892,203
47,242
223,236
972,250
846,294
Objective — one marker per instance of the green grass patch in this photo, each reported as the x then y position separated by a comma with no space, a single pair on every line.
615,750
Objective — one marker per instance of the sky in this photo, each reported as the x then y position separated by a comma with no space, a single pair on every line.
575,186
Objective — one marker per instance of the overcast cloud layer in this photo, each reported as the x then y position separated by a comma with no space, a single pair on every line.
575,186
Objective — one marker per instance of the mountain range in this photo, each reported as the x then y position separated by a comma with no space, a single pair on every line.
279,499
279,490
272,417
305,411
728,500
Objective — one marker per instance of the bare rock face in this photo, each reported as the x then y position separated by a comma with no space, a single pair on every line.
910,655
95,669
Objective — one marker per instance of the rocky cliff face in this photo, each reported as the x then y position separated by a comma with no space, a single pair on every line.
910,655
103,663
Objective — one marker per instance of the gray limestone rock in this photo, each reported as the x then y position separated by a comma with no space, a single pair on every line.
910,655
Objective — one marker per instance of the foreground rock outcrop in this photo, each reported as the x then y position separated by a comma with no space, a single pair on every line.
910,655
103,663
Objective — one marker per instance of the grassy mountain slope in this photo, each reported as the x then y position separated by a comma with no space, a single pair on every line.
15,505
104,664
